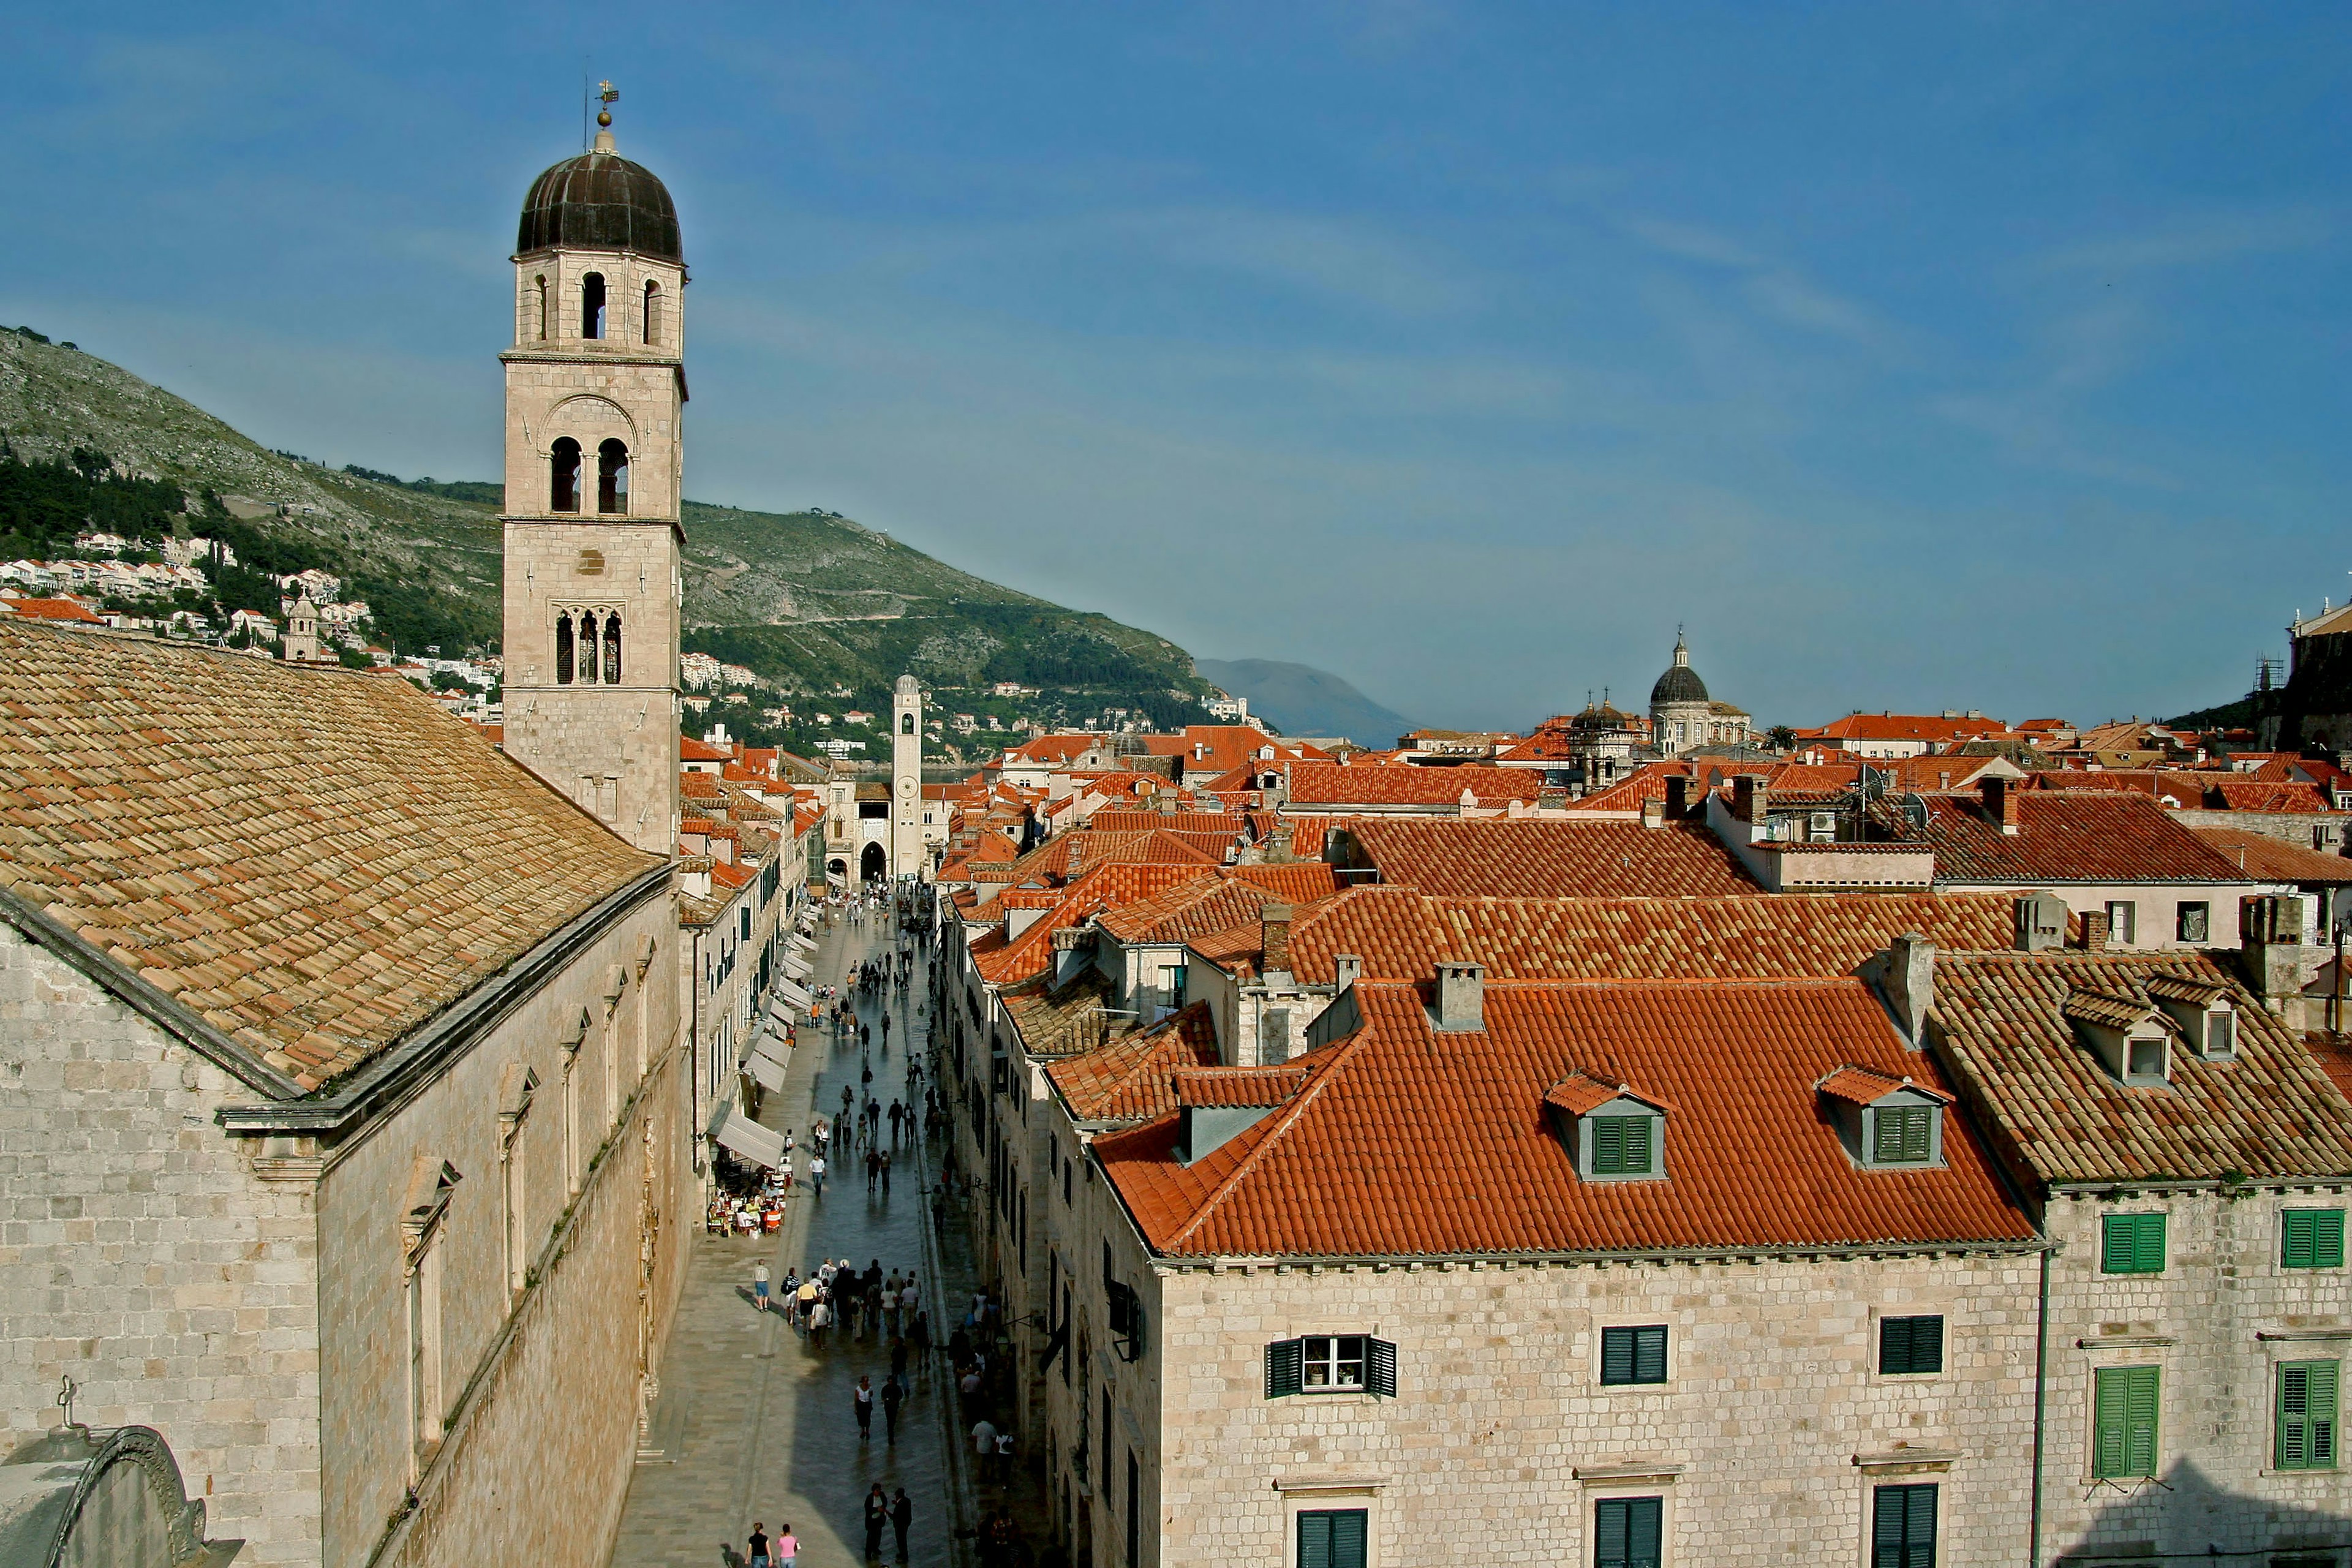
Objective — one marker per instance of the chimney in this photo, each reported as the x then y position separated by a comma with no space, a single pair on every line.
1751,799
1274,924
1346,968
2270,931
2000,803
1167,799
2094,931
1910,980
1677,797
1461,995
2040,922
1653,813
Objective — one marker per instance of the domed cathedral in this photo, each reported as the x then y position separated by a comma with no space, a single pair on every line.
595,391
1682,717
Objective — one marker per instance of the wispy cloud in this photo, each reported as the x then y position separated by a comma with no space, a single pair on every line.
2202,239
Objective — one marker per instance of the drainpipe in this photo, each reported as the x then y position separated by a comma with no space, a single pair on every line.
2040,1393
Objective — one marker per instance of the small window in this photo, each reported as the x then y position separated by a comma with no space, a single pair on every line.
1903,1526
2122,922
1630,1355
543,309
1334,1362
1330,1363
1910,1346
2194,921
1330,1537
1628,1532
564,480
611,478
906,723
653,313
2306,1415
2145,1060
2312,1238
2220,1035
591,305
1901,1135
2125,1401
564,650
612,650
1621,1146
2132,1243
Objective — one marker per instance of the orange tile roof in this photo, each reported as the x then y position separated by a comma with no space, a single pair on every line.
1134,1078
65,612
1751,1160
1860,1085
1536,859
1237,1088
2266,860
1329,784
313,862
1214,901
699,786
1400,933
2065,836
690,749
2059,1116
2255,795
1903,727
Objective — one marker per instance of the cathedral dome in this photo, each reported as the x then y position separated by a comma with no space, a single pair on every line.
600,201
1680,683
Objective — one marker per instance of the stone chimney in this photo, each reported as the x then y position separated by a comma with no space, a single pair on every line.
2040,922
1751,800
1461,995
1910,984
1653,813
2001,802
2270,933
1167,802
1346,968
1274,920
1677,797
2094,931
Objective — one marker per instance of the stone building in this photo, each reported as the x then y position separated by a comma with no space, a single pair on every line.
1682,714
877,831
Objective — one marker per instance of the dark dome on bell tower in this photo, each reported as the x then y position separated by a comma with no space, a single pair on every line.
600,201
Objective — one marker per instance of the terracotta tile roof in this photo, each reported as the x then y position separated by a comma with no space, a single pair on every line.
1902,727
2266,860
2255,795
314,862
701,788
1580,1093
1226,825
1133,1077
62,612
1327,785
1216,901
1104,887
731,876
1534,859
2068,836
1063,1022
690,749
1237,1088
2051,1104
1406,1142
1401,932
1860,1085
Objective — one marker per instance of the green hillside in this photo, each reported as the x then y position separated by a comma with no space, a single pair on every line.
812,602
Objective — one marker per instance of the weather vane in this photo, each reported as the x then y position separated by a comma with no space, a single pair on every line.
607,95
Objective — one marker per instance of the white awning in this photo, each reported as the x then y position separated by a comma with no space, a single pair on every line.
798,968
804,943
789,993
768,1075
747,1138
769,1049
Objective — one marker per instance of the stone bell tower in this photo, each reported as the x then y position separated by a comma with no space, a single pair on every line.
906,854
595,389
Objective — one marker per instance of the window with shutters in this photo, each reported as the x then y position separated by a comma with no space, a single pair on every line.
2132,1243
2311,1238
1629,1533
1332,1537
1908,1347
1903,1527
2306,1415
1330,1363
1621,1145
2124,1405
1901,1135
1633,1354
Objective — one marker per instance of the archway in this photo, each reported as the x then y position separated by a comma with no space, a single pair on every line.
873,863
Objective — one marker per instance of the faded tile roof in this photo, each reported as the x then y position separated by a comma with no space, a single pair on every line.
1540,859
314,862
1329,784
2067,835
1060,1022
1406,1141
1134,1078
1400,933
2266,860
2051,1105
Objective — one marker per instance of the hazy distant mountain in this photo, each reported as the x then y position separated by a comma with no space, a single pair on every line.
1299,700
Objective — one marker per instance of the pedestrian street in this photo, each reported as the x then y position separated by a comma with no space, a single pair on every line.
754,1426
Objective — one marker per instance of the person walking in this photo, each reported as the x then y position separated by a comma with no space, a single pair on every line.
893,1395
760,1284
885,1173
820,1320
786,1549
759,1543
878,1514
816,1175
864,1400
902,1514
873,1169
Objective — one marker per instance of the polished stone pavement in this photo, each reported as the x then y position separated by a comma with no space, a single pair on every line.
754,1426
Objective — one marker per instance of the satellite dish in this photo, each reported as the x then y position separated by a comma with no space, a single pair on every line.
1915,808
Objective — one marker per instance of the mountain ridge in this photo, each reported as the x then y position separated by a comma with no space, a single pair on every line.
1300,699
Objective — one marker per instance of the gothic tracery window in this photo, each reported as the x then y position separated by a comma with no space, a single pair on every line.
612,650
564,650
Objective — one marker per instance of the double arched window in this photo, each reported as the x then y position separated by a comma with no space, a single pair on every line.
587,648
563,477
592,306
612,477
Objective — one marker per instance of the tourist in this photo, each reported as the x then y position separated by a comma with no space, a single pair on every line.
983,1441
862,1397
878,1514
816,1175
786,1548
759,1545
902,1514
760,1284
820,1320
893,1395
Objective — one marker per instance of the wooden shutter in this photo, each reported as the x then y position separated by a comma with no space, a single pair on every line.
1886,1148
1915,1134
1910,1345
1650,1354
1284,1368
1608,1145
1627,1532
1903,1527
2307,1415
2125,1409
1379,1367
1331,1538
1616,1356
2132,1243
1637,1145
2147,1245
2314,1239
1315,1541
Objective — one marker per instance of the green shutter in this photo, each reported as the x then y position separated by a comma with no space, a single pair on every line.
2132,1243
2313,1238
1379,1367
1633,1354
1284,1368
1903,1526
1331,1538
1637,1145
1315,1541
1616,1356
1608,1145
2123,1421
1627,1532
2307,1415
1650,1354
1910,1345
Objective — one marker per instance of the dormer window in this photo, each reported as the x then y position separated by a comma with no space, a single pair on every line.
2220,1035
1613,1132
2149,1060
2204,1012
2132,1038
1885,1123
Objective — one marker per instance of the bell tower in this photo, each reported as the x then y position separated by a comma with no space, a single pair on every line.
906,854
596,388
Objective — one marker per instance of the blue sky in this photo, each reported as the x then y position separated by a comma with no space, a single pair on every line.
1917,357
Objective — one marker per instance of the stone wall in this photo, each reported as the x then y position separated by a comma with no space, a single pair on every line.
141,1257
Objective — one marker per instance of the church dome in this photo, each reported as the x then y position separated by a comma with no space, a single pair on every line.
1680,683
600,201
